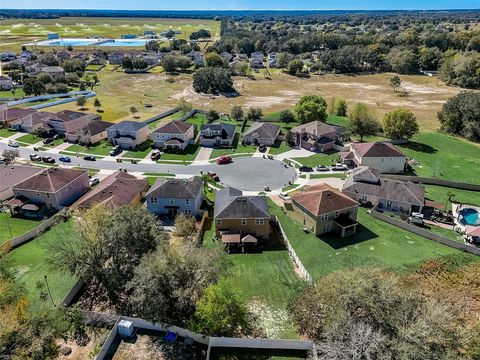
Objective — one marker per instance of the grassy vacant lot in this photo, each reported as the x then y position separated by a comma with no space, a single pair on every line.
444,156
33,262
15,32
102,148
376,244
12,226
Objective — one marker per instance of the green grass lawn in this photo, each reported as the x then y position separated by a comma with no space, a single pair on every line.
325,176
279,147
12,226
5,133
338,120
238,148
32,261
29,139
440,194
326,158
198,120
102,148
7,93
444,156
376,244
141,151
189,154
92,67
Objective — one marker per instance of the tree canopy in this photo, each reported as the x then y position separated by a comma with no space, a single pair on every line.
363,121
311,108
213,80
400,124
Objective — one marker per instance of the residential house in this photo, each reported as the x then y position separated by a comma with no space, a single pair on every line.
67,121
56,72
226,56
6,82
7,115
240,57
272,63
218,135
170,197
256,63
7,56
51,189
261,133
116,58
238,214
314,136
174,135
26,55
128,134
367,187
91,133
380,156
32,123
62,55
116,190
97,60
11,175
322,209
257,55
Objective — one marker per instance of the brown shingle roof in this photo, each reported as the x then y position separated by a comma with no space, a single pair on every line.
11,175
50,180
323,199
317,128
376,149
114,191
16,113
174,127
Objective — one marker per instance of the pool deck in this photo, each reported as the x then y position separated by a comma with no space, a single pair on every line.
456,215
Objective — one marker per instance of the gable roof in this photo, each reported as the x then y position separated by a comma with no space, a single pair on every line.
323,199
11,175
231,204
174,127
263,130
227,130
33,118
92,128
16,113
176,188
116,190
128,125
50,180
376,149
68,115
316,128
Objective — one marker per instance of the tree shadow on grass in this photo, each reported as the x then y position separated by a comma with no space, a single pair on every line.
336,242
416,146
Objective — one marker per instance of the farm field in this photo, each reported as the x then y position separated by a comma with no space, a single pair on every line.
15,32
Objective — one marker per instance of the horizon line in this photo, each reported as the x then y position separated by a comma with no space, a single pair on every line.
266,9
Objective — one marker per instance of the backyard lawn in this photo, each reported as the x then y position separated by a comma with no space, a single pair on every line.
440,194
102,148
189,154
33,263
12,226
140,152
8,93
326,158
376,244
444,156
198,120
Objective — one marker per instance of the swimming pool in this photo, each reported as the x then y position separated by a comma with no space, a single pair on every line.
90,42
469,216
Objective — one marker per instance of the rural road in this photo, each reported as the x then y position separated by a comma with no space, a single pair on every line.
244,173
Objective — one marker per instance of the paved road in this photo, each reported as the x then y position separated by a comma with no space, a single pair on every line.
246,173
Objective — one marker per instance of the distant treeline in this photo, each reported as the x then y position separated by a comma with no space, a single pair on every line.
307,16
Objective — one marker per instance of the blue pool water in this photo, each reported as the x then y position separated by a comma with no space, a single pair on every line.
469,216
96,42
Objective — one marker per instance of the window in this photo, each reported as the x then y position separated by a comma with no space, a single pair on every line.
188,212
363,198
336,214
326,228
244,221
187,201
153,200
324,217
259,221
219,222
172,201
48,196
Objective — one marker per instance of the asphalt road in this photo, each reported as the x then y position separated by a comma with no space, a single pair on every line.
244,173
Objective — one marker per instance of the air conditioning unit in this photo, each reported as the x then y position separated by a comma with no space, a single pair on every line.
125,328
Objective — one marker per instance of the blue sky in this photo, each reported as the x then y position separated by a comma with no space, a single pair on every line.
242,4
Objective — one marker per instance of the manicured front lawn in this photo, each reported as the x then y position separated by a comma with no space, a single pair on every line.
8,93
238,148
329,175
440,194
444,156
29,139
326,158
189,154
12,226
5,133
102,148
33,262
376,244
140,152
279,148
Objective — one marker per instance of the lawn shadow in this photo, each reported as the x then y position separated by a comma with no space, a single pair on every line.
191,149
336,242
144,146
416,146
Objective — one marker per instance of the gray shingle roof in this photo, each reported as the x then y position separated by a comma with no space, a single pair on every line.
231,204
263,130
128,126
176,188
228,130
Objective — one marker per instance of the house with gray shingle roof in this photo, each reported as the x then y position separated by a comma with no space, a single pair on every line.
170,197
367,187
128,134
218,135
261,133
238,214
174,135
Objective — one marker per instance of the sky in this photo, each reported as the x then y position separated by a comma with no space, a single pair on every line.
242,4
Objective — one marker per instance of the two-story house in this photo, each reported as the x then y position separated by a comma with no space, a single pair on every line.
236,213
32,123
67,121
6,82
323,209
91,133
170,197
128,134
218,135
380,156
314,136
174,135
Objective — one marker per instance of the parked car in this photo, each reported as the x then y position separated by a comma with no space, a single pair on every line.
58,136
13,143
48,160
115,150
416,218
339,167
224,160
35,157
262,148
65,159
155,155
94,181
322,168
48,140
284,196
89,158
305,169
214,176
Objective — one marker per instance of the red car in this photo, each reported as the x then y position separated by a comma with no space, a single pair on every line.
224,160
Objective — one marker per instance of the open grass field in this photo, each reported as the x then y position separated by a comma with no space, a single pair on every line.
376,244
15,32
32,261
12,226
